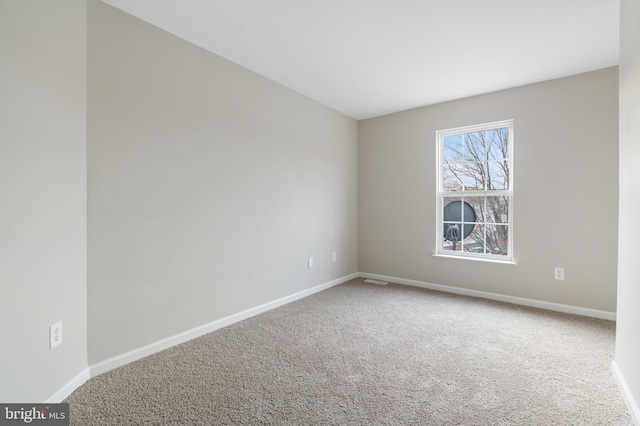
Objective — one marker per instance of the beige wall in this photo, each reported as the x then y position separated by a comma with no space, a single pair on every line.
565,200
628,326
43,203
210,186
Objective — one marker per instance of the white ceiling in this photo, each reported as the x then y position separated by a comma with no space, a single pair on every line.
372,57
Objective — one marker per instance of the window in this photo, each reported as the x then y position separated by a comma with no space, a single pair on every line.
475,191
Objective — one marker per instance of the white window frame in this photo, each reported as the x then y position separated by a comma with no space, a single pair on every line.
441,194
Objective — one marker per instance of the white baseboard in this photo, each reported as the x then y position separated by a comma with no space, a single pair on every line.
500,297
69,387
136,354
626,393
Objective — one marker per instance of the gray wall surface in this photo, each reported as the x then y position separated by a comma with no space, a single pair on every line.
628,325
43,205
565,199
210,186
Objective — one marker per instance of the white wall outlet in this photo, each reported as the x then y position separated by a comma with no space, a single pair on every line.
558,273
310,262
334,257
55,335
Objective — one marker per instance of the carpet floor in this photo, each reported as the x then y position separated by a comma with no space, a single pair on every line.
362,354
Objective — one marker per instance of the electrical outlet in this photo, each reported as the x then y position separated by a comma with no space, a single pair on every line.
334,257
310,262
55,335
558,273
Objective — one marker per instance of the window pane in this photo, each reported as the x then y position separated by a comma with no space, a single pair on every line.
452,149
449,246
474,176
474,147
497,209
474,243
452,176
498,144
451,209
497,239
498,175
477,204
446,200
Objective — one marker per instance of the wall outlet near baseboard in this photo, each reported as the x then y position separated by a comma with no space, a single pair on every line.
55,335
558,273
310,263
333,257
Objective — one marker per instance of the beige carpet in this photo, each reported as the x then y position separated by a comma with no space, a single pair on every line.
361,354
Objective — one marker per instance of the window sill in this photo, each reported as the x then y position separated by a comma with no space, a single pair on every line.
476,259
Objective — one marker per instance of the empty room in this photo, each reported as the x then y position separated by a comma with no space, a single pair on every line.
309,213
